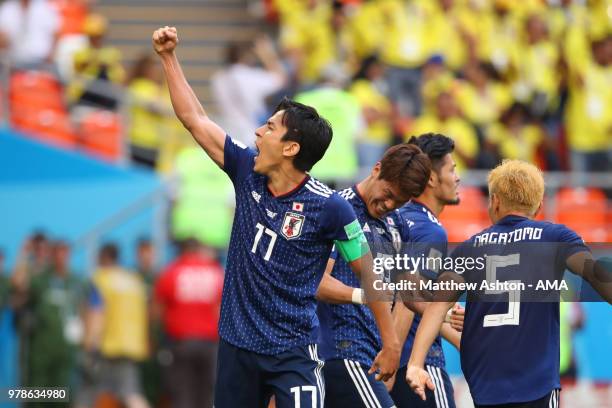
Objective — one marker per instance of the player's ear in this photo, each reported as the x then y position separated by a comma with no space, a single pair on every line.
496,203
291,149
375,170
433,179
537,211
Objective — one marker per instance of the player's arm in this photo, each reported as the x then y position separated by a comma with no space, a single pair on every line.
450,330
184,101
597,272
451,335
429,327
402,320
341,225
387,360
332,290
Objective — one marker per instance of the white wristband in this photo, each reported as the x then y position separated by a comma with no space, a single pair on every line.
358,296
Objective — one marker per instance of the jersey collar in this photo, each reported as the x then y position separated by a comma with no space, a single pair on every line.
418,203
511,219
291,192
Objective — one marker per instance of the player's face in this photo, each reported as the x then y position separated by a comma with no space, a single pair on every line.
271,149
382,197
446,182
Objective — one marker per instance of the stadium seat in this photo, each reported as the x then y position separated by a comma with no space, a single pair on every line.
101,135
51,126
581,207
35,90
469,217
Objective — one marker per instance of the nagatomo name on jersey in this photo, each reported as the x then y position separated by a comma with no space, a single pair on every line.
510,339
278,251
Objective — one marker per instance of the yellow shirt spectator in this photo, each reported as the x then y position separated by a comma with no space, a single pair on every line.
124,301
309,35
146,123
367,29
537,63
377,111
520,143
405,43
445,36
589,111
481,98
448,122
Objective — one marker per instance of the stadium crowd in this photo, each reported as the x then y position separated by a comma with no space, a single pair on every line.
505,79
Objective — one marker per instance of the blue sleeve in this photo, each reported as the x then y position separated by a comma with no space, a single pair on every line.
238,160
427,242
570,242
94,298
337,219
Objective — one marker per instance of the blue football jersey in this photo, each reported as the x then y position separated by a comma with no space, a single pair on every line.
426,238
278,251
510,351
349,331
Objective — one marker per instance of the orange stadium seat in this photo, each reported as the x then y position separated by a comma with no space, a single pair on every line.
49,125
584,210
469,217
101,135
35,90
37,107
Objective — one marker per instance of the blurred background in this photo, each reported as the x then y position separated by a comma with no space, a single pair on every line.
106,203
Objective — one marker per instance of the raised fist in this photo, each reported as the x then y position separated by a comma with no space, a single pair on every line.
165,40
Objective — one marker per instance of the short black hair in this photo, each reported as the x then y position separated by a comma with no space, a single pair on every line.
109,251
435,146
312,132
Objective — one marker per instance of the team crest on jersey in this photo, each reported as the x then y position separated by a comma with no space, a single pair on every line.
292,225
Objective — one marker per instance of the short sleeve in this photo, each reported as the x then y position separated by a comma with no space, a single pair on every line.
570,243
429,243
338,221
238,160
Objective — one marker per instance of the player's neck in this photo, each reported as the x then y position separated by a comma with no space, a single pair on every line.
503,214
431,202
284,179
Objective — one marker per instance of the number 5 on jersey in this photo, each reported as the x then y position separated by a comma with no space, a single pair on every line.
260,230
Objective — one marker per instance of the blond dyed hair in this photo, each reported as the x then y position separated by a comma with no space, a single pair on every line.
518,184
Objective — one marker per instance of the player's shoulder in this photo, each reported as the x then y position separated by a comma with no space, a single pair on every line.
418,213
348,193
394,219
420,222
328,200
318,189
